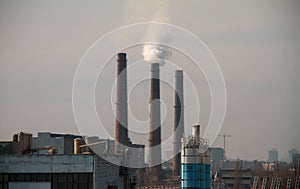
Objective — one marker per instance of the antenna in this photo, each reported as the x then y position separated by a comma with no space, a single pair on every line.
224,144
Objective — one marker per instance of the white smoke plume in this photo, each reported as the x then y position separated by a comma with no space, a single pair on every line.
154,51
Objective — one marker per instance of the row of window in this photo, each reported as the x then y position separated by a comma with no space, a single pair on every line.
58,180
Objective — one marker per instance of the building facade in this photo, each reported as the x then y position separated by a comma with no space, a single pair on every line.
59,172
63,143
273,155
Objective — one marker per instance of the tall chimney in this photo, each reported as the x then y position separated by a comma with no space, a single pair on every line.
121,131
155,130
178,121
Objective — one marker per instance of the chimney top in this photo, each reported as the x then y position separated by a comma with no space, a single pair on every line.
179,72
121,57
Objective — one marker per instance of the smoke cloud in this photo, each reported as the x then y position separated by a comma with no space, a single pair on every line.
155,51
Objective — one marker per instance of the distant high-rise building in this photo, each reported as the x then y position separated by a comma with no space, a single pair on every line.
296,163
217,154
292,152
273,155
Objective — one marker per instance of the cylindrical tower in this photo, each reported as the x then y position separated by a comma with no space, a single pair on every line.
195,163
196,132
178,121
121,131
77,143
155,130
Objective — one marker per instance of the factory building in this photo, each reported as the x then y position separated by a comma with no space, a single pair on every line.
63,143
55,160
25,166
19,144
59,172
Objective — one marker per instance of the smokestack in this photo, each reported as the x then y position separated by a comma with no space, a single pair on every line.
121,131
196,131
178,121
155,130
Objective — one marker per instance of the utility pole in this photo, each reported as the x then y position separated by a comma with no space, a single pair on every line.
224,147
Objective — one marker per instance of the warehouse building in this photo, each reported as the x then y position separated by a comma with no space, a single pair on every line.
60,172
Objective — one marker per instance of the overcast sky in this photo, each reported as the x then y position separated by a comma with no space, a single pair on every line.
256,43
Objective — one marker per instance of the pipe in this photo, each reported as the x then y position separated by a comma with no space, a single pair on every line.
77,143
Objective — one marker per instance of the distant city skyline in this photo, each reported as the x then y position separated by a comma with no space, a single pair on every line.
255,43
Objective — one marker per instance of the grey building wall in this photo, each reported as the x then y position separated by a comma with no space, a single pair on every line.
217,154
20,143
9,147
47,164
44,139
99,145
62,171
29,185
107,174
64,143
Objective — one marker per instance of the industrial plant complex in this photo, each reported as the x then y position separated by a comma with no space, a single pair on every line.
67,161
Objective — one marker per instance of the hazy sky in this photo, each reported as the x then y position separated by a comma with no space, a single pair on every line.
256,43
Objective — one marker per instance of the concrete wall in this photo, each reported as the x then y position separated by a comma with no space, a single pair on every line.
98,145
21,142
25,141
64,143
136,157
217,154
106,173
46,164
44,139
10,148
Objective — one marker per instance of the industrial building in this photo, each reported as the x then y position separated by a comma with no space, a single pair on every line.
63,143
53,160
59,172
25,166
19,144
